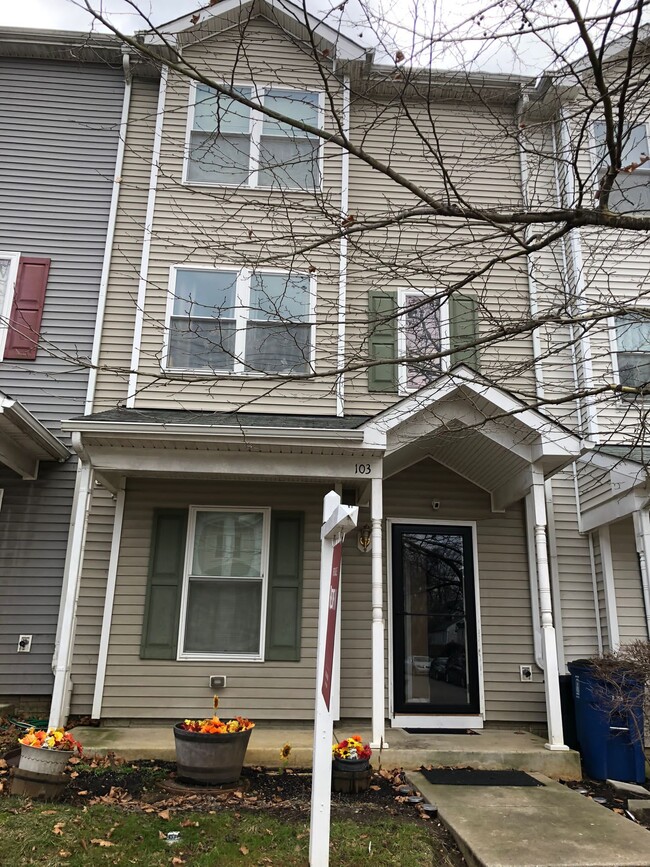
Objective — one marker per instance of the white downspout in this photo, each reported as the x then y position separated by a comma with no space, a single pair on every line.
554,568
146,240
609,589
532,284
343,255
549,645
642,537
74,562
110,234
111,580
532,577
594,582
378,627
575,247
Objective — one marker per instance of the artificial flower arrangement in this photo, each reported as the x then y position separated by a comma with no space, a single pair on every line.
52,739
352,749
216,726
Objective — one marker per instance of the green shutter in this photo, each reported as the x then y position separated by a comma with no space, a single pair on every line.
382,341
284,606
162,605
463,329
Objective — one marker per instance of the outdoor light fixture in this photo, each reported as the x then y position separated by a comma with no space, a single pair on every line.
364,538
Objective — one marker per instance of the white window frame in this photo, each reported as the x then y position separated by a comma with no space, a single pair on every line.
5,308
445,343
242,309
181,655
644,170
259,89
642,304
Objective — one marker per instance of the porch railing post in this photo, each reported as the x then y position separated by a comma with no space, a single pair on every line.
549,646
378,629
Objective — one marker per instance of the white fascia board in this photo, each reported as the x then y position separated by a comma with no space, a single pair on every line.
634,471
43,440
614,509
554,438
345,48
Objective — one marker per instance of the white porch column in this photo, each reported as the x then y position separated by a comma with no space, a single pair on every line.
549,647
71,578
642,537
378,629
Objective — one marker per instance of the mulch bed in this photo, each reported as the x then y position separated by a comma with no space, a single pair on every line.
604,794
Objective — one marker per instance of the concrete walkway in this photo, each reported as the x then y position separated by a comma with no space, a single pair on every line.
549,826
489,750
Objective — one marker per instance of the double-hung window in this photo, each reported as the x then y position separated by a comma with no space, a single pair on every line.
240,321
632,334
423,330
230,144
225,584
8,273
631,190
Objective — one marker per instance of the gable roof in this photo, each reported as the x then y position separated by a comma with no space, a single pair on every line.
216,17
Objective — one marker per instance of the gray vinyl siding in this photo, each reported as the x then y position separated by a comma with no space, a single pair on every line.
600,590
60,128
627,582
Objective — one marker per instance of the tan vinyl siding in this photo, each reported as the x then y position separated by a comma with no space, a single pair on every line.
627,583
574,566
403,255
143,689
121,300
212,225
90,608
506,620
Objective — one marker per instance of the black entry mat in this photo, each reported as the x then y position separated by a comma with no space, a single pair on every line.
470,777
440,732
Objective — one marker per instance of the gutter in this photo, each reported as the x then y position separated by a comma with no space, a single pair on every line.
110,234
22,418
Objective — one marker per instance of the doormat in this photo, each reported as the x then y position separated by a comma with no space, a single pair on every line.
470,777
440,732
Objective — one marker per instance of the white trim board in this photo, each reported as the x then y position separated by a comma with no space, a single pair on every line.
426,721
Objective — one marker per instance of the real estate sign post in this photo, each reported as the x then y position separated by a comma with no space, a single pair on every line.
337,521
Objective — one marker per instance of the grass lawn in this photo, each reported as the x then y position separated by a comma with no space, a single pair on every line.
63,835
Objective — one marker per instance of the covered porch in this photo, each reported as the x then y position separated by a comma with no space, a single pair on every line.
462,423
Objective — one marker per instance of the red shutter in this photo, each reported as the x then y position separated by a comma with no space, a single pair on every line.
27,309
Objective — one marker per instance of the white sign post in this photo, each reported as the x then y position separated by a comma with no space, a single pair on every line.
337,521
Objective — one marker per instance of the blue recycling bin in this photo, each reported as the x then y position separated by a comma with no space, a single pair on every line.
610,739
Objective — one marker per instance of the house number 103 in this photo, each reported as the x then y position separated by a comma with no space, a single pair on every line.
362,469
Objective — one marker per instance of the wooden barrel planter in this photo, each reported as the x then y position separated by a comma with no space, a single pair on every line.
210,759
351,776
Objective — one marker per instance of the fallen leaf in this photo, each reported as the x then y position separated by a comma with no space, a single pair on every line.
162,836
244,850
64,854
376,788
85,792
58,828
164,814
103,843
188,823
3,763
177,860
47,813
74,775
74,760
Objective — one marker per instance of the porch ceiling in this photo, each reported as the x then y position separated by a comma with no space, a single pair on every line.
24,441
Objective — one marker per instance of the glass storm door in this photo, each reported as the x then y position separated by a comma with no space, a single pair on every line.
435,659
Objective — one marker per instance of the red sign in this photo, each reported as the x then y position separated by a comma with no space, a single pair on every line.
328,662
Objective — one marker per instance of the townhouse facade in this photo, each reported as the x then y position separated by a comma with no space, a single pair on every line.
61,97
220,417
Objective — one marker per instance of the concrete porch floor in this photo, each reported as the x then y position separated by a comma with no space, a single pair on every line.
488,750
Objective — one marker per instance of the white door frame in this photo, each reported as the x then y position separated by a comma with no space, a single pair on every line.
438,721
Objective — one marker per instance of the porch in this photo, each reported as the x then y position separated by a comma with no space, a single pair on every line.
489,749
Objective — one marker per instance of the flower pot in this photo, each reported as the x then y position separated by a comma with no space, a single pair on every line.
42,761
351,776
210,760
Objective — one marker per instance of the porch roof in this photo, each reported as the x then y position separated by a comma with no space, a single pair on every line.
24,441
614,482
462,420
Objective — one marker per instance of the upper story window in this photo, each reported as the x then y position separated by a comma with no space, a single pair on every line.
423,330
631,190
230,144
240,321
8,272
633,349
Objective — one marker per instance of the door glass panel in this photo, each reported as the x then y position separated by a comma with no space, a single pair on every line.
435,622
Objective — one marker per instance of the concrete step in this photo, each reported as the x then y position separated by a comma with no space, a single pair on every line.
490,750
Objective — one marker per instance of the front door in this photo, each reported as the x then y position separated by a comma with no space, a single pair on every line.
435,656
